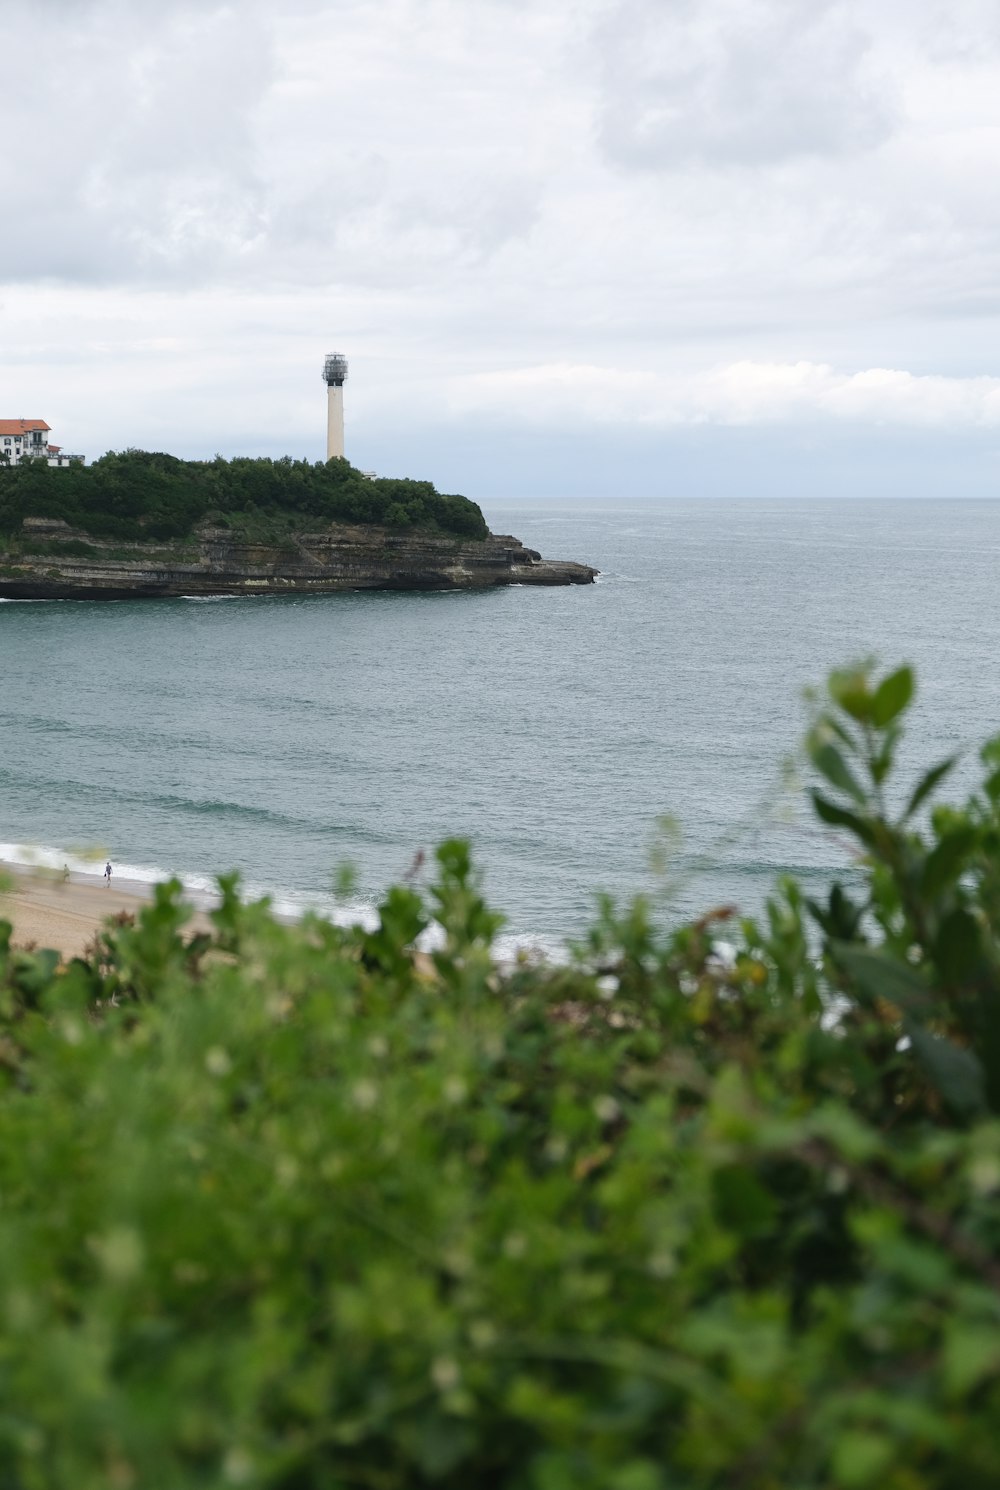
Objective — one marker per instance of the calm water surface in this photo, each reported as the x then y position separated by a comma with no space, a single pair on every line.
284,736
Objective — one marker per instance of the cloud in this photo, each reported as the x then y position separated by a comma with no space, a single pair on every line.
648,215
186,143
739,393
141,159
738,82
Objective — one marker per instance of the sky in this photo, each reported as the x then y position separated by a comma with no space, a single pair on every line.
587,249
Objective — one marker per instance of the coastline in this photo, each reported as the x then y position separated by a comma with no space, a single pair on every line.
49,912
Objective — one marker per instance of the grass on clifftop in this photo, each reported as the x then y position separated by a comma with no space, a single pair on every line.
138,495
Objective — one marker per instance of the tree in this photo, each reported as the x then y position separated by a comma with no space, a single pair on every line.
136,494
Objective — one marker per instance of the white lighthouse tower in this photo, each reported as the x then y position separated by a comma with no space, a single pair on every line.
334,375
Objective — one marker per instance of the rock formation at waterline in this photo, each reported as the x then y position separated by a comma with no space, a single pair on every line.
52,561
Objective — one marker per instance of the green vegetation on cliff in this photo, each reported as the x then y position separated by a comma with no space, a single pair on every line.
709,1209
138,495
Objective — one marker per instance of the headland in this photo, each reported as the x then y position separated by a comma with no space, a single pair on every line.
140,525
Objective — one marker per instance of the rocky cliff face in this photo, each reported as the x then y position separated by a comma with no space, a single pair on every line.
53,562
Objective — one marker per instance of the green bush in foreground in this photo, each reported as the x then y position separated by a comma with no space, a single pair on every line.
292,1207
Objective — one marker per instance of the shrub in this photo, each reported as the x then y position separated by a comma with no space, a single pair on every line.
293,1206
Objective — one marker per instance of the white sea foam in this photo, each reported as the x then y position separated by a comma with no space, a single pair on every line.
510,947
202,891
293,905
37,856
88,863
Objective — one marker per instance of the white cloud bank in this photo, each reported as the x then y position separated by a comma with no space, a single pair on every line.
740,393
741,82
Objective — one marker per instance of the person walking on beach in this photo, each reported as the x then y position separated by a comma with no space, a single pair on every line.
107,874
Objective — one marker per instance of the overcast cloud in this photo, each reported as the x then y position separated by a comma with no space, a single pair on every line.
541,230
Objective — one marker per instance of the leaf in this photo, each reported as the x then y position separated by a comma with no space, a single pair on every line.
958,947
850,691
877,975
927,783
883,762
637,1474
741,1202
841,817
830,763
32,973
438,1442
843,734
401,920
892,696
843,911
954,1072
860,1457
988,1042
839,917
945,861
971,1353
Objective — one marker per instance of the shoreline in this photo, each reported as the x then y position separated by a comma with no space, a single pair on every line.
46,910
64,915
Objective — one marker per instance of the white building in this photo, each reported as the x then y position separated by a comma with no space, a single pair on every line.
28,439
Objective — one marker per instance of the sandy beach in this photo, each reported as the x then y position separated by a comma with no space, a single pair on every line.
51,912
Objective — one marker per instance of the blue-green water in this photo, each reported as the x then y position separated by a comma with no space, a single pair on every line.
284,736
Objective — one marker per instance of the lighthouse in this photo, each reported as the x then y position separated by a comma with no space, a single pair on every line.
334,375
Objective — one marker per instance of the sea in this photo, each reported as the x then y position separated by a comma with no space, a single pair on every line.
638,736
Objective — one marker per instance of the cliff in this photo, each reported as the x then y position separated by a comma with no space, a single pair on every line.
52,561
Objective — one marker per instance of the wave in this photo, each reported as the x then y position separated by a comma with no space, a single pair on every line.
221,808
264,817
214,599
215,809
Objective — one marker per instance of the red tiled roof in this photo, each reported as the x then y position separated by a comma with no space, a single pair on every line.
21,426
